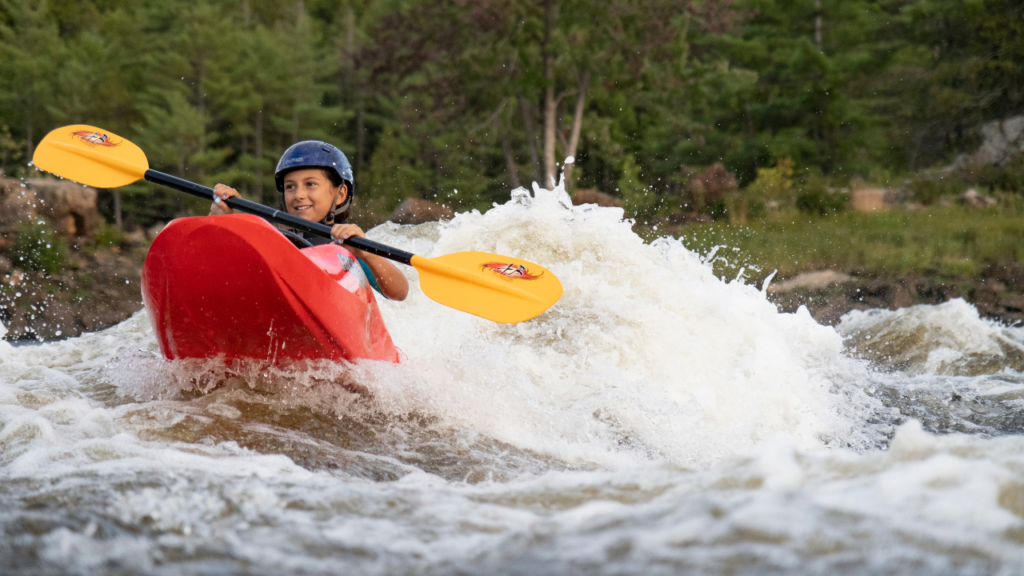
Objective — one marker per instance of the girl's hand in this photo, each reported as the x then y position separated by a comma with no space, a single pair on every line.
221,193
341,232
390,279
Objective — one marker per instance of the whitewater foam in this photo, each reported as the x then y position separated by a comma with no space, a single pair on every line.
657,419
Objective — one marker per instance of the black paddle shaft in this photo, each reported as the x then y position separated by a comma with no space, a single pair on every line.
268,213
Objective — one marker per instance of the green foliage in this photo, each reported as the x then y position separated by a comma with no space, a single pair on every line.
816,197
108,236
928,188
953,239
431,97
773,184
38,248
10,149
1007,177
640,201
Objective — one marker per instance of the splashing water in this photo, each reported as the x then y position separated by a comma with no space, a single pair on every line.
657,419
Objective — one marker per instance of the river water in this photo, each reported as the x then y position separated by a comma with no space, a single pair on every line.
657,420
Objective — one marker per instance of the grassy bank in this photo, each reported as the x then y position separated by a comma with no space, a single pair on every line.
953,240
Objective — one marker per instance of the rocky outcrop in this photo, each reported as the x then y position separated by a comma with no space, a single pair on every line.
1001,140
70,207
418,211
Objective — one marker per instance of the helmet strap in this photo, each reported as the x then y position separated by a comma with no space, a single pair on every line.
335,209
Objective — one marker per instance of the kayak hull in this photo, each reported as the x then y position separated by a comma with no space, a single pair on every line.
234,287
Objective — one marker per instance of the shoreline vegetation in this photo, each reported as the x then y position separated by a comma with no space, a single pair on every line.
832,264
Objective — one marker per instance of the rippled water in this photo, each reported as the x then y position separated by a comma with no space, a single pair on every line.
656,420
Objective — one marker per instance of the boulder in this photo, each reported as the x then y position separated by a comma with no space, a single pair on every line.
1001,139
591,196
816,280
418,211
975,200
71,207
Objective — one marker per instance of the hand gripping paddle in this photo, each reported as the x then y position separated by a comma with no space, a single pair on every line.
494,287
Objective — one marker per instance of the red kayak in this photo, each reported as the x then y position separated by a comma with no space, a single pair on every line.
234,287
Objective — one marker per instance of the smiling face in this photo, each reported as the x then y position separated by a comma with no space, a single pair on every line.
309,195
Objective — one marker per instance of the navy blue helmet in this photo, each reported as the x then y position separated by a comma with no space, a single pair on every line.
315,154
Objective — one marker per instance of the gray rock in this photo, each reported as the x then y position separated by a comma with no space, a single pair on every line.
1013,129
1001,139
974,200
812,281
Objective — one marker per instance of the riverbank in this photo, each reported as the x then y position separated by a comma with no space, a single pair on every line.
830,265
95,289
828,295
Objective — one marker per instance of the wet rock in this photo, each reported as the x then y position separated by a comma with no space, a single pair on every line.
591,196
993,298
419,211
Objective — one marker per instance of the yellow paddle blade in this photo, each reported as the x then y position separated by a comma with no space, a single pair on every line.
91,156
494,287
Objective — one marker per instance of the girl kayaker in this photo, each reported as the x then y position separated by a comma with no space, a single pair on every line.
315,180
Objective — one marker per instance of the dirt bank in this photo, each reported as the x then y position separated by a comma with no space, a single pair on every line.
95,289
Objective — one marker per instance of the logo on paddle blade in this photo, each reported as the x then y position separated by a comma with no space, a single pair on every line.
513,271
96,138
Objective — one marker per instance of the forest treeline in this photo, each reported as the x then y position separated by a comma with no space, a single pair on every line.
462,100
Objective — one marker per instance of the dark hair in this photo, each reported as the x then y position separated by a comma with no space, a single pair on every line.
333,176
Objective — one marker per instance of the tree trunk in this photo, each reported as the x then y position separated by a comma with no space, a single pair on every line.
550,103
257,191
531,138
29,146
354,85
577,125
510,161
118,218
817,24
